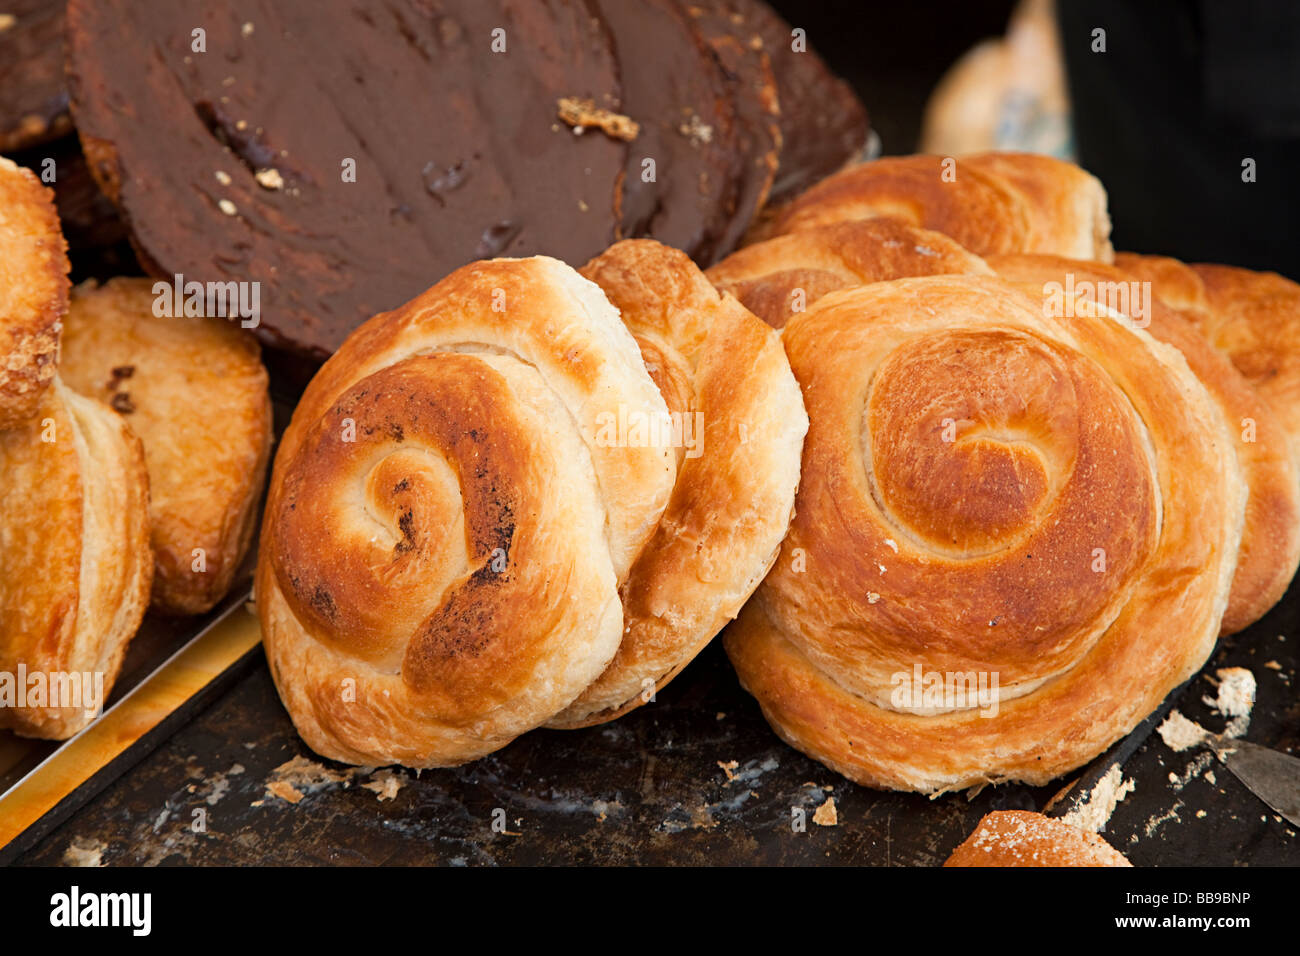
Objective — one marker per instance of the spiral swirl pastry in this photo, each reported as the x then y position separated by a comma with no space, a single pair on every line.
455,517
991,203
1013,536
1270,542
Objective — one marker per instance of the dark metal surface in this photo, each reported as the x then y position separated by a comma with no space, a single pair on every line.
1273,777
159,639
649,789
123,762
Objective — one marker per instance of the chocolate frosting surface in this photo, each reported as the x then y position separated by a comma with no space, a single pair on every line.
229,163
33,99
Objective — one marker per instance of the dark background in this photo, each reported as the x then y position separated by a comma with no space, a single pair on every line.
1185,90
894,53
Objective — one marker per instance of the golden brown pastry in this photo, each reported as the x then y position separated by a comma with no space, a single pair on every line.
723,373
1270,545
467,484
33,292
1024,838
195,391
990,202
780,277
74,560
1253,317
1014,535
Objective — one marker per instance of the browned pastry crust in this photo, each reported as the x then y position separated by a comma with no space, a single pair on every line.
74,551
997,203
987,492
444,537
195,391
1253,317
451,519
1270,545
724,373
1024,838
33,292
778,277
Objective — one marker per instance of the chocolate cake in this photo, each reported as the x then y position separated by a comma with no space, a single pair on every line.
684,168
33,99
348,154
823,124
748,69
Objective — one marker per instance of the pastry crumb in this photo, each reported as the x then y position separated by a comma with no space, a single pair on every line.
826,815
284,790
585,114
1095,811
1179,733
269,179
296,778
385,785
1236,691
84,851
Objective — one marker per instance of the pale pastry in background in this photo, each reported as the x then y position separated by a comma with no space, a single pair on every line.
75,563
1006,93
195,391
33,292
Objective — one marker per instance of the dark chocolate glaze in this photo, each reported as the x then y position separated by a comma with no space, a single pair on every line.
748,69
33,98
458,151
226,164
823,124
675,88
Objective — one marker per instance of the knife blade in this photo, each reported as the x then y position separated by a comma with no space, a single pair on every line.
1269,774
